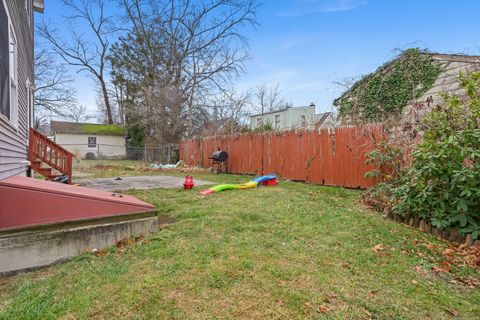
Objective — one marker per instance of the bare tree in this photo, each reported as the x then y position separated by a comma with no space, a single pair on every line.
87,53
54,90
268,99
76,113
181,54
229,112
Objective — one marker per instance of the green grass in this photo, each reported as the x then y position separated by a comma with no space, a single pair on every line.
295,251
123,168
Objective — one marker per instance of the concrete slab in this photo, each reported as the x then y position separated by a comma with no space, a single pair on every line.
137,182
45,245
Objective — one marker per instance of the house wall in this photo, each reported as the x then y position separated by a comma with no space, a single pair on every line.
14,137
447,81
329,122
110,147
290,118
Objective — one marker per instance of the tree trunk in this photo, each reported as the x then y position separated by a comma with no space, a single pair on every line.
107,102
190,118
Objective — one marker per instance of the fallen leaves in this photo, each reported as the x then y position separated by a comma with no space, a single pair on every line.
126,242
120,245
378,248
99,253
466,255
323,309
467,282
451,258
453,312
439,269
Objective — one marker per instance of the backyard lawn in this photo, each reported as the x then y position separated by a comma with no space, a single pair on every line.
294,251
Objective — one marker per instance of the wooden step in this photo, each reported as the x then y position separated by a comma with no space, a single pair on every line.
46,172
35,164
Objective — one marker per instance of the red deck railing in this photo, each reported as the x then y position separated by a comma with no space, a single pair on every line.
43,149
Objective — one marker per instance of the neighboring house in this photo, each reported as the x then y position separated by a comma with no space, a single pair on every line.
447,81
325,120
16,83
89,140
293,118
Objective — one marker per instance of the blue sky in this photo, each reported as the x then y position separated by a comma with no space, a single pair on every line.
307,45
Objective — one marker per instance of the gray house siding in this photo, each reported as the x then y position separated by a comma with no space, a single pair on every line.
290,118
447,81
14,140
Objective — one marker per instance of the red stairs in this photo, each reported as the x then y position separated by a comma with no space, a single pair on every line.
45,156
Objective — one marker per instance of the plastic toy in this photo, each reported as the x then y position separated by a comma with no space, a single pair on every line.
188,183
268,180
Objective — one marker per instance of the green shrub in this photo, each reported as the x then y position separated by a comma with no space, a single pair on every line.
443,184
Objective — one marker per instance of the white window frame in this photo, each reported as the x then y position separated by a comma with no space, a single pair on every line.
13,75
277,121
259,122
91,145
12,119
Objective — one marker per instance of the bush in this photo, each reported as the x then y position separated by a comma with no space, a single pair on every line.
385,92
443,184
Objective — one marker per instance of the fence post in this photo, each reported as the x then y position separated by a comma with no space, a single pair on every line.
98,154
169,153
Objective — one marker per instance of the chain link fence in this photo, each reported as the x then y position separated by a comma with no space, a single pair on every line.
163,154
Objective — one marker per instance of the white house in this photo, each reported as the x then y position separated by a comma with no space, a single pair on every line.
90,140
293,118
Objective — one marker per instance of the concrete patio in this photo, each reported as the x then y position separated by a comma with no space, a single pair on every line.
136,182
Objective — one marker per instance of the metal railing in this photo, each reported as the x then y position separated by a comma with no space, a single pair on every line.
162,154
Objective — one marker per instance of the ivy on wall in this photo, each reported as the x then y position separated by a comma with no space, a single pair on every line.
392,86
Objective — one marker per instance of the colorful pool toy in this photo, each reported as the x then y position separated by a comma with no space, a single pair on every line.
268,180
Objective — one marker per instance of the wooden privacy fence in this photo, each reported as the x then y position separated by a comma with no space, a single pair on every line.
334,157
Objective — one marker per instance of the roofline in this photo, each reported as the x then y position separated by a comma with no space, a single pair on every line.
452,57
52,129
455,57
280,110
87,134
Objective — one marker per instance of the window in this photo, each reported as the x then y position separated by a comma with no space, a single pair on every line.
13,78
4,63
277,121
259,122
92,142
303,121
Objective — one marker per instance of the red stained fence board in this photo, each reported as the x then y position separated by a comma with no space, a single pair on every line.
327,157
